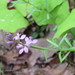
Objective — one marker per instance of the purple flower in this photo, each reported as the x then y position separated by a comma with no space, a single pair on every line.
25,49
19,46
29,41
22,48
17,37
8,36
10,42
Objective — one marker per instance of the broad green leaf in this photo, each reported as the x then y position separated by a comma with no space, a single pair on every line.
10,20
66,25
44,16
21,7
47,4
54,3
41,18
62,13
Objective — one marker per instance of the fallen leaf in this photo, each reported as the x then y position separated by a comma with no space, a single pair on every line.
56,71
11,55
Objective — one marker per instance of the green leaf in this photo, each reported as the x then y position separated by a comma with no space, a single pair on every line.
66,25
10,20
68,42
53,28
45,55
34,34
63,58
44,17
72,31
62,40
41,34
41,18
53,43
62,13
21,7
43,28
47,4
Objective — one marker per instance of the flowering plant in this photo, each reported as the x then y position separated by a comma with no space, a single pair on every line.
23,42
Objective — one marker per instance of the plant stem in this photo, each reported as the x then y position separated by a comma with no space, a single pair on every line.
59,49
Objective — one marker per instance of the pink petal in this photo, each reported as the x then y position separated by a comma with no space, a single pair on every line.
18,34
28,44
19,46
34,41
30,38
21,51
10,42
16,38
9,34
26,50
23,37
26,39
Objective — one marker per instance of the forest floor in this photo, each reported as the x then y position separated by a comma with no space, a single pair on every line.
34,62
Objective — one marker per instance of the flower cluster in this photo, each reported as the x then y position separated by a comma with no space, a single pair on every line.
23,42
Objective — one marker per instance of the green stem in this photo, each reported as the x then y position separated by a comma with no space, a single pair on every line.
59,49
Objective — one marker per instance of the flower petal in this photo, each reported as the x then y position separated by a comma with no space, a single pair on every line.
23,37
26,50
30,38
19,46
17,37
10,42
21,51
26,39
28,44
34,41
18,34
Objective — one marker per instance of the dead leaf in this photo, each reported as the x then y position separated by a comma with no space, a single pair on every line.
67,72
11,55
56,71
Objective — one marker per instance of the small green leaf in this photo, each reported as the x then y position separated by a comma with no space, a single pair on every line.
63,58
53,28
34,34
68,42
43,27
62,40
42,34
51,42
45,54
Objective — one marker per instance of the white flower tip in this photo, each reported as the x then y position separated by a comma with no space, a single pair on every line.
35,41
23,37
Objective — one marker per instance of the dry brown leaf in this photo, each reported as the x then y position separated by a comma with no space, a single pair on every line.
56,71
67,72
11,55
